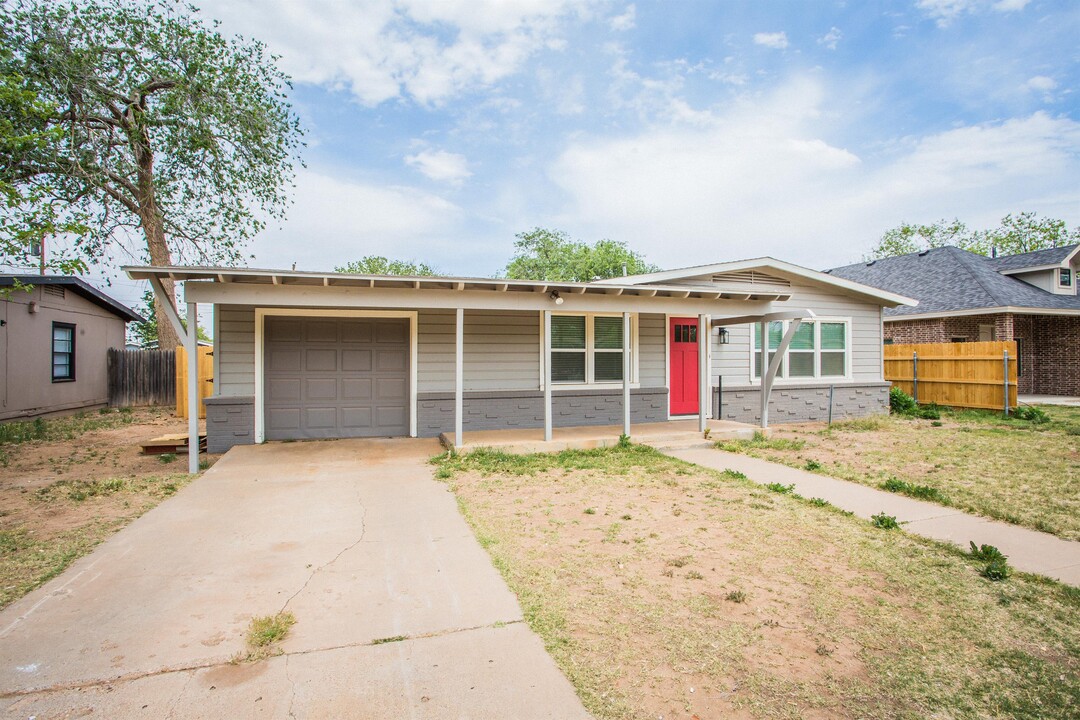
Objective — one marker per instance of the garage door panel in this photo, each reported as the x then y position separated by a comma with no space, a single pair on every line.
320,389
284,360
320,418
320,360
283,419
356,331
284,390
336,377
391,360
356,360
356,389
356,417
321,331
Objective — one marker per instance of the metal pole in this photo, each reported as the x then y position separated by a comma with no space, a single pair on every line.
719,411
832,389
915,376
626,371
703,372
1006,363
547,376
459,378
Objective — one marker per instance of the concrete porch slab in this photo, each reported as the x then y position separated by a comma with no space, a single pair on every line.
671,434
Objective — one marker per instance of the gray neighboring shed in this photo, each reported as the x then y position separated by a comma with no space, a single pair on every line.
313,355
54,340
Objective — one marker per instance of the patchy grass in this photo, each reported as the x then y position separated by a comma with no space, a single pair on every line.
1020,471
779,607
265,633
761,441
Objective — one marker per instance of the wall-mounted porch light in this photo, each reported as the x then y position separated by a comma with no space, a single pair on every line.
723,335
554,295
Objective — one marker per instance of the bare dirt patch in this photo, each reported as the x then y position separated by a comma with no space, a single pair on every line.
86,478
665,590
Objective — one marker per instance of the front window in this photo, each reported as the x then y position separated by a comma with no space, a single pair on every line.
63,352
586,349
818,350
1065,278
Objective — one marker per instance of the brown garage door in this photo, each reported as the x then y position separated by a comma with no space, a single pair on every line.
336,377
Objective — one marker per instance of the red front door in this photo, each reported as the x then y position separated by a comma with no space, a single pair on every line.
683,341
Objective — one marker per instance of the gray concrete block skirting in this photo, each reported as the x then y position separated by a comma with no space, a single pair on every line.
806,403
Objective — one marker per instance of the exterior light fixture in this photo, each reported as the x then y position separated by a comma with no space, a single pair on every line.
554,295
723,335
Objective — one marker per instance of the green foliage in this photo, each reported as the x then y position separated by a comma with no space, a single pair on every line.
986,553
996,570
812,465
379,265
900,403
624,441
266,630
922,492
736,596
542,254
761,441
883,521
1034,415
123,115
1022,233
780,488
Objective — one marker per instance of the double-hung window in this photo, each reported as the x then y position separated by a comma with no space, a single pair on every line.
63,352
819,349
586,349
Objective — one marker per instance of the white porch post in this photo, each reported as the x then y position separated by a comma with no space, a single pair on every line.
547,376
191,343
459,376
703,372
626,372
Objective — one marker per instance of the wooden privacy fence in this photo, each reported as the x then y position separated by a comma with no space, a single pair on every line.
141,377
969,375
205,380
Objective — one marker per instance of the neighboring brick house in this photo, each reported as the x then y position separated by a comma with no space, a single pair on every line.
963,297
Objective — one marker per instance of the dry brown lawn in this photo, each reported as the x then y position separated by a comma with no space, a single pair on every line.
664,590
68,483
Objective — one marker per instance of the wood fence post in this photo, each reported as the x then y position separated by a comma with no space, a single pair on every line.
1005,360
915,376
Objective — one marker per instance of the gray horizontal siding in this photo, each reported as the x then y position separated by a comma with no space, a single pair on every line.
501,348
235,350
652,357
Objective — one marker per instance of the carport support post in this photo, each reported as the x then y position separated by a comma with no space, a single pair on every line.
626,373
704,338
459,375
191,344
547,376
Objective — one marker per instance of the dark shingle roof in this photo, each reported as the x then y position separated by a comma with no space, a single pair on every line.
949,279
78,286
1037,258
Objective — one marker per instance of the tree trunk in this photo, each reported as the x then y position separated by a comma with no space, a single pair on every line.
154,229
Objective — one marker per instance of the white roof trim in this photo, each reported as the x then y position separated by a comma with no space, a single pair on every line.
1014,310
765,262
299,278
806,314
1034,268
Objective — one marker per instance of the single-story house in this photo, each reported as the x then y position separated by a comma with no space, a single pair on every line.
963,297
327,355
54,342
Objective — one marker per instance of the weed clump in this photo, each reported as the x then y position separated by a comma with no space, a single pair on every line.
263,635
883,521
997,567
921,492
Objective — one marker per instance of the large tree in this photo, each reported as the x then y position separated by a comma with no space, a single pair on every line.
1022,233
552,255
154,135
379,265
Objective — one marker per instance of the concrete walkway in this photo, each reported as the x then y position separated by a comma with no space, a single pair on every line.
1028,550
399,611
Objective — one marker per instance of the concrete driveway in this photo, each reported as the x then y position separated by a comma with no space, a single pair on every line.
351,536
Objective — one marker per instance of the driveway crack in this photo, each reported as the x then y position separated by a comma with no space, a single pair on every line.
292,688
316,571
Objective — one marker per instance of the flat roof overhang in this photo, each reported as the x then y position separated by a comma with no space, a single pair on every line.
283,288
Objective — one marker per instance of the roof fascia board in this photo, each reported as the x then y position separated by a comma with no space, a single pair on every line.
891,299
1014,310
1033,268
353,297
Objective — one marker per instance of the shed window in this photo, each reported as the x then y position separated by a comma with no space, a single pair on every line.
586,349
63,352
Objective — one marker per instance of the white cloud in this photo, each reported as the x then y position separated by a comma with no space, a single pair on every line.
440,165
336,220
428,50
763,179
1041,83
626,21
945,11
1010,5
831,38
775,40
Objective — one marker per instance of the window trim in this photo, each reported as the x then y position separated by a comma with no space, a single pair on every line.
1072,278
70,377
817,378
590,350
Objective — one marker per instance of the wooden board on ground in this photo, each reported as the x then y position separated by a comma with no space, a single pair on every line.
175,443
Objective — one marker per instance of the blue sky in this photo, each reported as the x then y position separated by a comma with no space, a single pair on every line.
695,131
